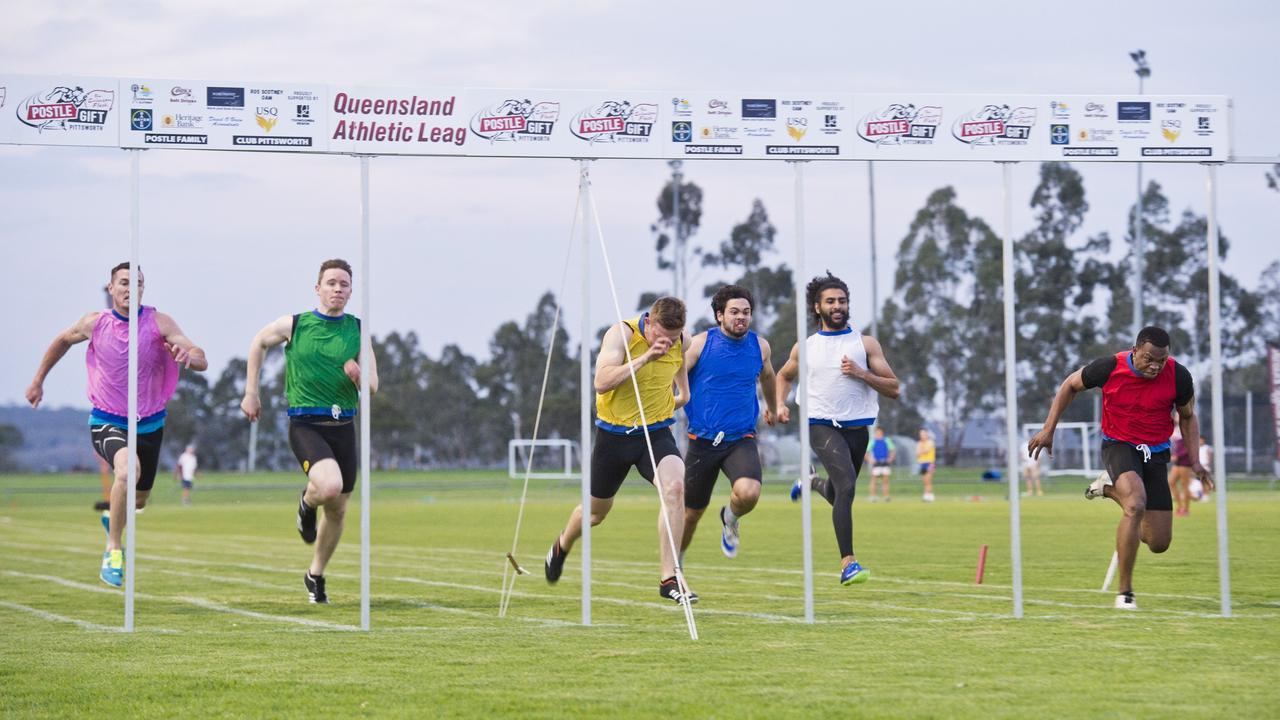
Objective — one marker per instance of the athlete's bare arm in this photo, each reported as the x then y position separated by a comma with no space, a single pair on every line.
693,350
178,345
768,388
352,369
612,368
1043,440
79,331
682,393
787,375
1190,426
877,374
277,331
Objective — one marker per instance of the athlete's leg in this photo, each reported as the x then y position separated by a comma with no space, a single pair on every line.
745,495
885,482
702,463
836,456
1157,522
928,480
1128,492
120,497
324,489
600,508
671,485
691,518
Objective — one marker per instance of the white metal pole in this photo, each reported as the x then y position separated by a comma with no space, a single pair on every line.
875,281
1011,396
1248,433
1139,251
1219,434
802,395
135,282
253,447
366,355
587,395
1111,570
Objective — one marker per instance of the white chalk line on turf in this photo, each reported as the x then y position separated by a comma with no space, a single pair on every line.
54,617
198,602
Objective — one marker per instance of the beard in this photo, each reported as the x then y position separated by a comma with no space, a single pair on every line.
834,324
727,329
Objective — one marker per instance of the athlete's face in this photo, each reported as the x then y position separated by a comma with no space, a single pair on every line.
119,290
334,290
833,307
653,331
1149,360
924,435
735,321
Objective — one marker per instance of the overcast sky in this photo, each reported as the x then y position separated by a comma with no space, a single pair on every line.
231,241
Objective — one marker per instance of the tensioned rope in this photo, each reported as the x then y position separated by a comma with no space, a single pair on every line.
644,423
511,569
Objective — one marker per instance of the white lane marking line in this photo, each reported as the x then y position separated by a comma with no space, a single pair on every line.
54,617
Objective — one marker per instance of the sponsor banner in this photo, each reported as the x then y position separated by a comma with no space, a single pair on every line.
564,123
397,120
758,125
1138,127
59,110
1273,372
223,116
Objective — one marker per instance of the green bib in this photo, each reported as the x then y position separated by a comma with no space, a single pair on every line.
314,381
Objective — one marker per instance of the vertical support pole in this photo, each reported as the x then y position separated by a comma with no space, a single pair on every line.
587,394
802,394
366,355
135,282
1219,434
1011,395
253,448
1248,433
875,280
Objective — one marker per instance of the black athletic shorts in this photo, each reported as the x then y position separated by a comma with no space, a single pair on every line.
613,455
704,461
1121,457
108,439
325,439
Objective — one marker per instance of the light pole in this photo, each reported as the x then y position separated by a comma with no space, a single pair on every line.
1143,71
875,295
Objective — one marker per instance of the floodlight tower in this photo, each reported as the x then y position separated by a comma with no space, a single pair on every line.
1143,71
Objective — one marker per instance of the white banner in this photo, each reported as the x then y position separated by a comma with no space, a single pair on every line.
223,116
396,120
59,110
682,124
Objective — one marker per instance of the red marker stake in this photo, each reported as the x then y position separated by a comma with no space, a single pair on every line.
982,564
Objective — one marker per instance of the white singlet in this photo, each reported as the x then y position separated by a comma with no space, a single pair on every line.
836,398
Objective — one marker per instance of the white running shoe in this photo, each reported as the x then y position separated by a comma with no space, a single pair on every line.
1095,488
928,497
729,537
1125,601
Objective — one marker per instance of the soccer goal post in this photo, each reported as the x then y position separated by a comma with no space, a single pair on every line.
1073,449
554,462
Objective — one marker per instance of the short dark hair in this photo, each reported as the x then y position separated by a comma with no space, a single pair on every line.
332,264
721,299
122,266
1155,335
814,289
668,312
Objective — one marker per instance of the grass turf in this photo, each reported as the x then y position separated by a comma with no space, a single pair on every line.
224,629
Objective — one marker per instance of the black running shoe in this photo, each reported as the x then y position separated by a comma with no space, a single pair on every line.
554,564
306,520
315,588
670,590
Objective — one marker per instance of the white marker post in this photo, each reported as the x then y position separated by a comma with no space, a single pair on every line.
135,282
1215,353
802,394
366,355
1011,395
584,377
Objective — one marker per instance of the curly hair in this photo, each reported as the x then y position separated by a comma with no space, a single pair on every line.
814,289
721,299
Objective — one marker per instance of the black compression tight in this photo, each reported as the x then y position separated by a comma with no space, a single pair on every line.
841,451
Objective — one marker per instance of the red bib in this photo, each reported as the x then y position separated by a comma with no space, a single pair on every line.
1135,409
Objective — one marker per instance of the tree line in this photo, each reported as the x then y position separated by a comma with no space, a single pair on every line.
941,327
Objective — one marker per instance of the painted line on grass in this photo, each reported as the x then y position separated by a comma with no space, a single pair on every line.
54,617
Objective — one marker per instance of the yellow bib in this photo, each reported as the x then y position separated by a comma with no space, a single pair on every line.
618,408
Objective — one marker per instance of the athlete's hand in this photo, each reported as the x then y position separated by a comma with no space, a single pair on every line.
352,369
850,368
1202,472
35,393
251,406
768,417
784,414
1042,440
660,347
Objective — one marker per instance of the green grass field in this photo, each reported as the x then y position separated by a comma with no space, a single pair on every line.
224,628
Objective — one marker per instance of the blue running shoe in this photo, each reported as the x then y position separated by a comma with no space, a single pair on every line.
854,573
795,491
106,522
112,568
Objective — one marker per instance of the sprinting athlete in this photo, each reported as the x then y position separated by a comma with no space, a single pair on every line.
1139,388
322,384
725,363
185,471
847,373
656,341
162,347
882,453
